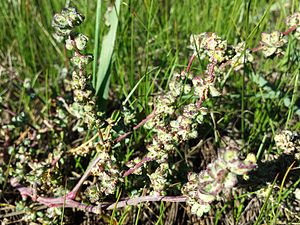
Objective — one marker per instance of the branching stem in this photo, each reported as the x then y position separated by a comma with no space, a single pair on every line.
69,203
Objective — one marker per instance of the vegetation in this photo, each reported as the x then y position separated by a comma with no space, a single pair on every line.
156,112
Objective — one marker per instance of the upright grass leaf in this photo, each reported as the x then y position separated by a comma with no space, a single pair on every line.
97,40
103,77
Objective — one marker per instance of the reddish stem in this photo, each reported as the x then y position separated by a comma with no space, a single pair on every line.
94,162
138,165
76,49
69,203
290,30
211,70
138,200
258,48
150,116
190,63
86,174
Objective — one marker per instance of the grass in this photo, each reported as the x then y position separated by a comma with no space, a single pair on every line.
151,43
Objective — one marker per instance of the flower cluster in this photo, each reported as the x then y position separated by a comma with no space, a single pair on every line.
220,176
65,21
289,142
209,45
106,172
170,132
84,106
294,21
171,125
272,44
217,50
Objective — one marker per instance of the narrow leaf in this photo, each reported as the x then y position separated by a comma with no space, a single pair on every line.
97,40
103,77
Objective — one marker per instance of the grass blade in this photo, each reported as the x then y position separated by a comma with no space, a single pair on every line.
103,77
97,40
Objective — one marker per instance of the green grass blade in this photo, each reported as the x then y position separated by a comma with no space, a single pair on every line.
133,89
97,40
280,197
262,211
103,77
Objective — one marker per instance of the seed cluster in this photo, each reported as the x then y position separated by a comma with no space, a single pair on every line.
84,106
294,20
174,125
106,173
211,46
289,142
220,176
272,44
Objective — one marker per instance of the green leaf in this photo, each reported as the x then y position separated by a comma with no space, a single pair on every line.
96,45
103,77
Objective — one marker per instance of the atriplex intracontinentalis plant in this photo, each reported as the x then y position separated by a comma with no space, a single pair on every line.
171,122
